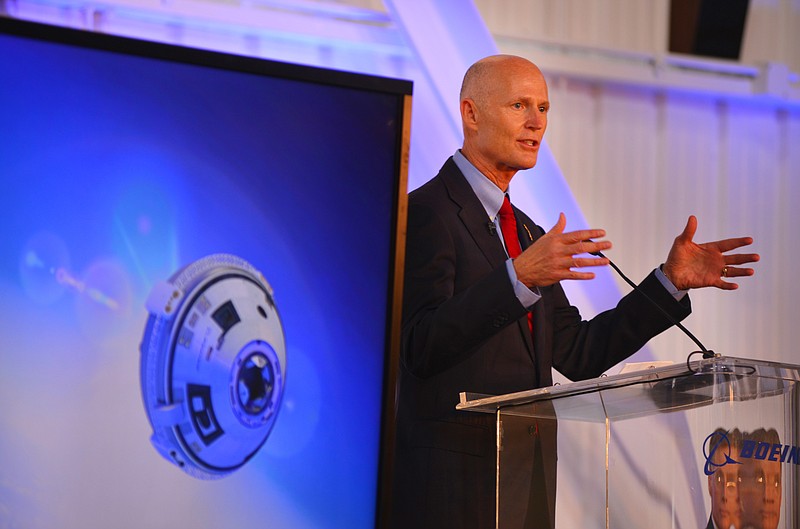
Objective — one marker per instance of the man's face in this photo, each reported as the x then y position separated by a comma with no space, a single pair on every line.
760,492
723,486
510,118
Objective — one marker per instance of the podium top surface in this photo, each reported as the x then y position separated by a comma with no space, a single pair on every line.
672,388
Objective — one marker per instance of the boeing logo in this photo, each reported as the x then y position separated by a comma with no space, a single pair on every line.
718,451
720,444
770,451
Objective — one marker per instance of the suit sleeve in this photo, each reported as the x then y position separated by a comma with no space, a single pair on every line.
585,349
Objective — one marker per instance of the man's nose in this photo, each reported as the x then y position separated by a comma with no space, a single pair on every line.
771,493
536,119
730,492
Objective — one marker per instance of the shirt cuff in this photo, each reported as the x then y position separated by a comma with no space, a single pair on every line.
677,294
526,296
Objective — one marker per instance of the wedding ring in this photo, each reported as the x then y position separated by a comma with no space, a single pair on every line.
724,271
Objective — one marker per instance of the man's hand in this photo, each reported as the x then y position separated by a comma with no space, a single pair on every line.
552,257
691,265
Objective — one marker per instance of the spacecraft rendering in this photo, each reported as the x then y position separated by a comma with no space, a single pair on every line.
213,365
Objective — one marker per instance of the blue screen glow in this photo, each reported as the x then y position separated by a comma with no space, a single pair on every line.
116,171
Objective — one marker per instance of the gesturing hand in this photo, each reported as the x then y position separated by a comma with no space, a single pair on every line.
691,265
552,257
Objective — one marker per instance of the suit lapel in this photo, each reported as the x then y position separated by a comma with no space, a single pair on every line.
472,214
524,232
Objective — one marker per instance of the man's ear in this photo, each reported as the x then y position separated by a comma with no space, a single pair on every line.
469,113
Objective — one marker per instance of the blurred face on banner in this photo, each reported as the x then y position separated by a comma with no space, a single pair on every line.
760,493
723,487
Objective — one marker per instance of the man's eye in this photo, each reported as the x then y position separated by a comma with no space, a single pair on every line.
542,109
517,105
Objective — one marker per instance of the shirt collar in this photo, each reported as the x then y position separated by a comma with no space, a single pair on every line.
488,193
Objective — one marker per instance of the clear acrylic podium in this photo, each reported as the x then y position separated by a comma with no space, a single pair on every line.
658,448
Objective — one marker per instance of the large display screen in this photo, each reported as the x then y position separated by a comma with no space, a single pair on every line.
123,163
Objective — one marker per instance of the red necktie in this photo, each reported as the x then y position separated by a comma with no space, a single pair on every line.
508,225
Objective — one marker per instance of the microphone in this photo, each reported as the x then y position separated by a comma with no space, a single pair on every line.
492,228
706,352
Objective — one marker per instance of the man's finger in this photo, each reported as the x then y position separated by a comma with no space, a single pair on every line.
738,272
581,262
727,245
579,275
583,236
589,246
560,225
742,258
689,230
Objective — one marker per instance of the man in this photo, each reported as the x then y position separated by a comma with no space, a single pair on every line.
471,281
724,483
761,484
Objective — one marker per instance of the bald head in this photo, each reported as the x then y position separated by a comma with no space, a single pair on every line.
481,76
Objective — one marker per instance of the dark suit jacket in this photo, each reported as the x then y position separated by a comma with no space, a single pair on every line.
465,330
